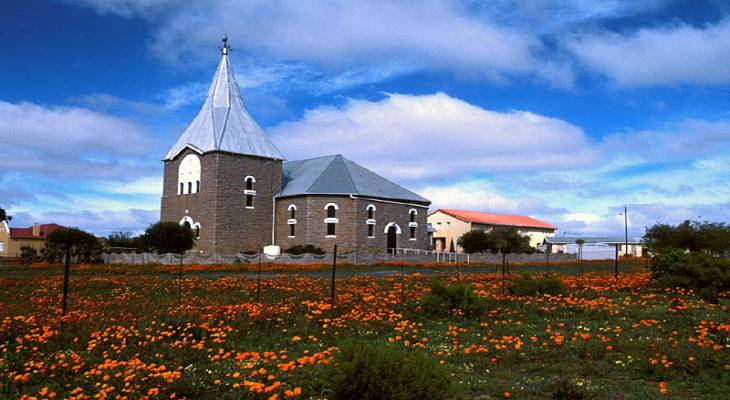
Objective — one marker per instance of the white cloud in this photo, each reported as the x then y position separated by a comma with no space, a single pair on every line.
100,223
71,141
415,138
149,185
349,35
671,55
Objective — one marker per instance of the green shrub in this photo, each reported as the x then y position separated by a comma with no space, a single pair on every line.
661,264
28,254
381,371
526,285
568,389
703,273
306,248
444,298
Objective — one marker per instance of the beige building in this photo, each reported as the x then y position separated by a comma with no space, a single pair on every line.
13,239
449,225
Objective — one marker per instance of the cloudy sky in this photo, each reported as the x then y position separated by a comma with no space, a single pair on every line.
563,110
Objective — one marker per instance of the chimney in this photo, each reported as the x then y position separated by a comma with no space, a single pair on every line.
36,229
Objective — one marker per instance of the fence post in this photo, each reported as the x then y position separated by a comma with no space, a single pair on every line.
504,266
66,273
615,264
334,269
258,276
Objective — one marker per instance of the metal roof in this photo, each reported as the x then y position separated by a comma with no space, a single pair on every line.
338,175
519,221
223,124
590,240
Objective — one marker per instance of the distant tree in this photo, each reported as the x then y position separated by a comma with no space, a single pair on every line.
123,240
4,216
497,240
693,236
168,237
72,243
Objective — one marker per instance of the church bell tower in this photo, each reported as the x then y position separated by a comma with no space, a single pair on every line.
223,172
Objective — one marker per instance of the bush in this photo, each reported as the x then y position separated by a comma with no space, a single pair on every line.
28,254
568,389
703,273
380,371
443,299
306,248
526,285
663,263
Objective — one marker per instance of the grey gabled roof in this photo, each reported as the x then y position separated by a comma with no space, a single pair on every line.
338,175
223,124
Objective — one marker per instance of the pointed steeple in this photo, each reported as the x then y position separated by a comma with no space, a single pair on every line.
223,123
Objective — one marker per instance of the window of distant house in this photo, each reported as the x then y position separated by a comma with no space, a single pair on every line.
413,232
250,192
331,220
189,173
371,230
292,220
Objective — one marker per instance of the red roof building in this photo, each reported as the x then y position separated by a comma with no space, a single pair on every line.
34,232
449,225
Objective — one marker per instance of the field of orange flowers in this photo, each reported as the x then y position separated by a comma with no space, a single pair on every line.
135,336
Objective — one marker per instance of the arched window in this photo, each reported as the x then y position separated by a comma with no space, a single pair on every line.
189,172
292,220
370,222
196,230
250,192
412,224
331,220
331,211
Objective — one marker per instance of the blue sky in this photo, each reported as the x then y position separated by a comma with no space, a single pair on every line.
564,110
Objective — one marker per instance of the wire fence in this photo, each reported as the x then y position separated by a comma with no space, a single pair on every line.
415,256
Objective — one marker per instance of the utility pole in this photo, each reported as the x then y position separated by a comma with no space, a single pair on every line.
626,230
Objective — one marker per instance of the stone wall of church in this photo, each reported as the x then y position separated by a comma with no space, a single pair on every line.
227,226
351,230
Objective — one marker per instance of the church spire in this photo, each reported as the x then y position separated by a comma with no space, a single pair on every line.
223,123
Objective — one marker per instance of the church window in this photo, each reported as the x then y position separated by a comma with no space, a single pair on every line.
371,229
413,232
412,224
331,220
412,214
371,211
189,173
370,222
249,190
292,220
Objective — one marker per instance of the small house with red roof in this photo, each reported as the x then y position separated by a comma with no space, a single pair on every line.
13,239
450,224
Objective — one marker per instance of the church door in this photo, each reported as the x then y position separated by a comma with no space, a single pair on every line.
392,239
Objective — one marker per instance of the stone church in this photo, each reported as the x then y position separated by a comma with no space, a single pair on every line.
228,182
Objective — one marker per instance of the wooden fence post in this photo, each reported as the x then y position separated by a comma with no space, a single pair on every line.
334,269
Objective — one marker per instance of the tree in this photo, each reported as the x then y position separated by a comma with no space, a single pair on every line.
72,243
693,236
123,240
505,240
4,216
168,237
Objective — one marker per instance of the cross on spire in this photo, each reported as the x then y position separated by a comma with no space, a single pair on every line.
225,47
